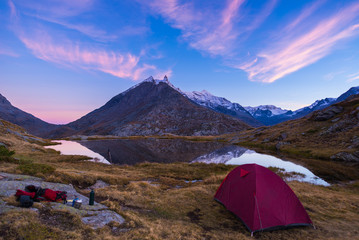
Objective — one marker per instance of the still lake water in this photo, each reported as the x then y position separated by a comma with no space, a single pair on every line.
166,151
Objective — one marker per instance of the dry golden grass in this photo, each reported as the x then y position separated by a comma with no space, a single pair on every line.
158,203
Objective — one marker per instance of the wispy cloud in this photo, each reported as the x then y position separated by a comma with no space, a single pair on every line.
258,18
280,59
307,12
7,51
62,13
212,31
88,30
53,46
69,54
224,31
353,77
57,8
219,40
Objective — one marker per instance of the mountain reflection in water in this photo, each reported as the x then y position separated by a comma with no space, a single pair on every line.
124,151
130,152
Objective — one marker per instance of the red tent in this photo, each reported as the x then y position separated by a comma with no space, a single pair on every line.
261,199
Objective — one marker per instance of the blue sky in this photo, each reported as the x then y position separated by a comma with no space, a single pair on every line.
61,59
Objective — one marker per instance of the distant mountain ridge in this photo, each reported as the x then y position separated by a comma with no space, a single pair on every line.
331,133
222,105
152,111
264,114
271,110
16,116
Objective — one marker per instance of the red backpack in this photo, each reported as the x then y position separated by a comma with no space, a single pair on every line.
39,194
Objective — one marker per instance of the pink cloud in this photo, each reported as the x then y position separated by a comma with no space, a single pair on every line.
59,12
61,50
57,8
353,77
308,11
283,58
219,40
261,16
74,55
7,52
12,9
213,31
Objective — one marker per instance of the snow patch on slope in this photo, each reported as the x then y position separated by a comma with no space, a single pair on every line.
273,109
205,98
155,81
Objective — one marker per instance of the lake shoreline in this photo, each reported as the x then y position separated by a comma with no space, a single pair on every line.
158,199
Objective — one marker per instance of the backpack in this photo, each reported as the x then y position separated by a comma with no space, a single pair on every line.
40,194
26,201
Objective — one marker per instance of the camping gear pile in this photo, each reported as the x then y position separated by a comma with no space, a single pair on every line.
261,199
36,194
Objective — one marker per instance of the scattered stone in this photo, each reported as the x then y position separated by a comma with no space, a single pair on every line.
282,136
26,138
279,145
335,120
345,156
355,140
328,113
4,207
97,215
102,218
99,184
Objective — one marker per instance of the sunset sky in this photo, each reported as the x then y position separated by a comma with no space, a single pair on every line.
61,59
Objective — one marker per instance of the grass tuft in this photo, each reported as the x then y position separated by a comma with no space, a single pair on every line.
36,169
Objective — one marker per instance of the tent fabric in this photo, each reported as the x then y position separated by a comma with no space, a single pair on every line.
261,199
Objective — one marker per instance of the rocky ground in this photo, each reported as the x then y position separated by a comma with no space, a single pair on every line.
164,201
96,216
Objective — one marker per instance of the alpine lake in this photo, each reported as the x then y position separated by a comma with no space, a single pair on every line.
130,152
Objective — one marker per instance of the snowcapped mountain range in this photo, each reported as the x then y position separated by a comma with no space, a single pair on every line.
157,107
271,109
264,114
205,98
222,105
254,116
222,155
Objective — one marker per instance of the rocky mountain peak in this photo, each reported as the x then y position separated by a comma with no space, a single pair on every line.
4,101
157,81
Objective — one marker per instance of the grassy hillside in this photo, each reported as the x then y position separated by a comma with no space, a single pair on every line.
159,201
327,139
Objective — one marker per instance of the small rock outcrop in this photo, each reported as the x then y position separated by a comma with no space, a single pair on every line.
345,156
328,113
96,216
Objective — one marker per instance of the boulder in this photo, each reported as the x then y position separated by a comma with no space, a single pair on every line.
282,136
279,145
99,184
328,113
345,156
